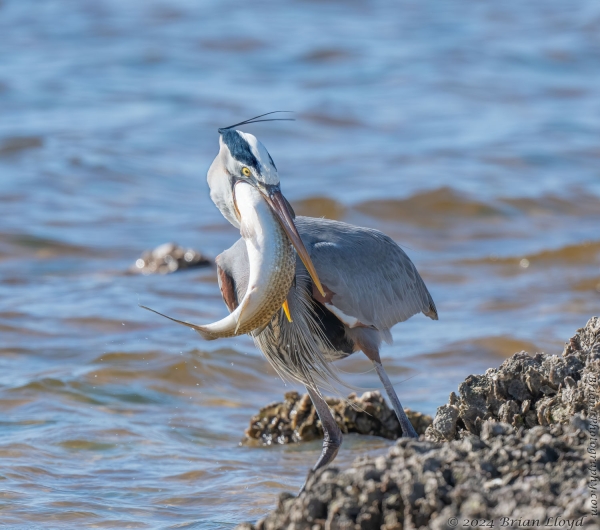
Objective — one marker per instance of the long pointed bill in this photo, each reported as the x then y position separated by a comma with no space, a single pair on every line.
280,207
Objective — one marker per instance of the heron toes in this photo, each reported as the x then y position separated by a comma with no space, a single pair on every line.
331,446
332,435
332,439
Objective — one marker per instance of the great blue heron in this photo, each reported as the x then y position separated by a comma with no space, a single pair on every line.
345,290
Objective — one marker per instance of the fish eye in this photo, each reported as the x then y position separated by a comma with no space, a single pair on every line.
246,172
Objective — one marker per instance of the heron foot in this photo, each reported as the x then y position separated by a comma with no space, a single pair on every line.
332,435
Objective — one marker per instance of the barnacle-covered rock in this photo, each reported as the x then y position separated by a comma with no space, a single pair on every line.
474,464
527,390
295,419
526,475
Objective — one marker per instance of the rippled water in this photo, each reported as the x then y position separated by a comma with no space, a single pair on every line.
467,131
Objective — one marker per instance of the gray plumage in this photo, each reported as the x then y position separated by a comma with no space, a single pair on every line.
372,277
368,277
350,286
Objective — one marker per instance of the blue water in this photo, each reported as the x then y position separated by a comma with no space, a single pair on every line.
466,131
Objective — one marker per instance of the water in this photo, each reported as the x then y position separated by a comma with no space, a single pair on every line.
468,132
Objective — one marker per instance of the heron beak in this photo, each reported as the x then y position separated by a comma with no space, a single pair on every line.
282,211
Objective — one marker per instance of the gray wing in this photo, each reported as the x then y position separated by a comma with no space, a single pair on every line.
367,276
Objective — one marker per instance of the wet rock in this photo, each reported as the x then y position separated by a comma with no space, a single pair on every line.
531,474
526,391
445,420
473,462
167,258
296,419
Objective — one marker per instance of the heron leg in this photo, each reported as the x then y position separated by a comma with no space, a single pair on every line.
332,435
407,428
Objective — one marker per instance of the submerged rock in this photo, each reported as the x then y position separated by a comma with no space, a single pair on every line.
512,449
167,258
296,420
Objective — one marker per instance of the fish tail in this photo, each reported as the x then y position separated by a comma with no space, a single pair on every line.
205,333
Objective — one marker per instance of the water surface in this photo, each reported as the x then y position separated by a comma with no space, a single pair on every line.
467,132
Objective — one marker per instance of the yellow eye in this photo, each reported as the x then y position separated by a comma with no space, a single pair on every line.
246,172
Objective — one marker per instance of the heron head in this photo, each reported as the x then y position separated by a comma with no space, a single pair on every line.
243,158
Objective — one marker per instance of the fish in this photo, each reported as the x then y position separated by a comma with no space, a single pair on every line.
272,260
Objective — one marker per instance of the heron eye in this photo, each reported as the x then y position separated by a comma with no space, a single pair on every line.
246,172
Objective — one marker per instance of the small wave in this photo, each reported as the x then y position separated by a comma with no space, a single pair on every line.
323,118
579,204
42,247
498,346
577,254
237,45
325,55
106,324
87,445
429,208
16,144
320,207
446,205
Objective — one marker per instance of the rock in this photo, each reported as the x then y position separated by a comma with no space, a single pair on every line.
167,258
296,420
531,474
527,390
445,420
512,448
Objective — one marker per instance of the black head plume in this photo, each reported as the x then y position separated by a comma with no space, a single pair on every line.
256,120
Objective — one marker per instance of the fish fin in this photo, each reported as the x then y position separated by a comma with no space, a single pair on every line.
199,329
